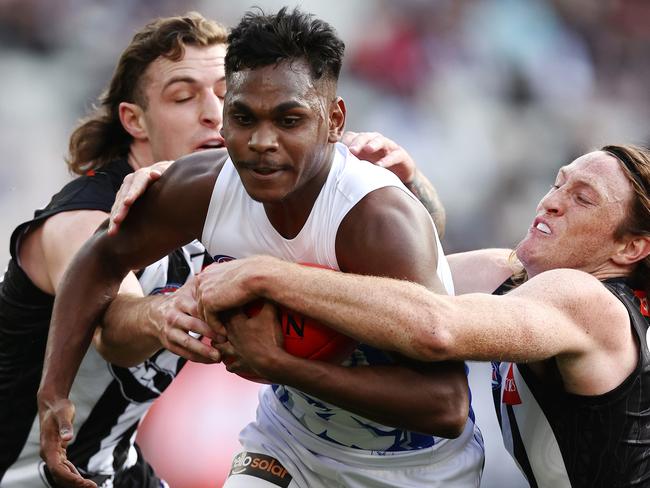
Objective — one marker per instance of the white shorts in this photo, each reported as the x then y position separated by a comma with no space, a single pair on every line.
274,456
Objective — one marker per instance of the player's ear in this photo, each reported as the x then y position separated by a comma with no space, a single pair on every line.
133,121
337,119
633,250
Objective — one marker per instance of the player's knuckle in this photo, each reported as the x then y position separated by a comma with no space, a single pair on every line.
170,316
186,341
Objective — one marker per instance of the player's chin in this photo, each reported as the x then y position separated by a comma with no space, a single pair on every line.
267,191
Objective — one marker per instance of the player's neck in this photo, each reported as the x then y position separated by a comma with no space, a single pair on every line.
140,155
289,215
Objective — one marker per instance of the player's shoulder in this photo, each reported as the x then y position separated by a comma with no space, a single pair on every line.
564,284
61,227
568,279
94,190
366,184
354,175
387,221
578,293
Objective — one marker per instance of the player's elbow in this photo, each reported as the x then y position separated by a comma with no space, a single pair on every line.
424,335
115,352
447,422
443,406
453,422
433,343
451,418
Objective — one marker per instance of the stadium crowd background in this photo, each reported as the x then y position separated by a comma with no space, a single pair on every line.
489,96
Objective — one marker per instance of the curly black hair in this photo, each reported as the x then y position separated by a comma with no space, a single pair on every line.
262,40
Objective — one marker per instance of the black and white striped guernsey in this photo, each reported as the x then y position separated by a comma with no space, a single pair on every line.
560,439
110,401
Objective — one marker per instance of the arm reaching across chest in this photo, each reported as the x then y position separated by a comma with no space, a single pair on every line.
169,216
387,233
429,398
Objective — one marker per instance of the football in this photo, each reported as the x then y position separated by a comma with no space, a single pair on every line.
305,337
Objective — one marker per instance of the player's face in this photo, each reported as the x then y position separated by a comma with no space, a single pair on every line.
577,219
185,102
278,126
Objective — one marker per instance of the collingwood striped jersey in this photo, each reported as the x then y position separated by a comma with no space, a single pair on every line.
563,440
110,400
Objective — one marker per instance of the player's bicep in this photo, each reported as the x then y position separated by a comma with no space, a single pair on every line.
579,322
389,234
538,320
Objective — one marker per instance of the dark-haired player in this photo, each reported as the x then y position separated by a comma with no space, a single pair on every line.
566,323
164,100
288,188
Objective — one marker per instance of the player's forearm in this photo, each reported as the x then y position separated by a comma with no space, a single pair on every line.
83,294
128,335
389,314
424,190
392,395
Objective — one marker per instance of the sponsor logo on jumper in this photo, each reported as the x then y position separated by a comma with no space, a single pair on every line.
260,466
510,392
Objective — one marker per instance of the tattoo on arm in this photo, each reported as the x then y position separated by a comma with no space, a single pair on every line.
424,191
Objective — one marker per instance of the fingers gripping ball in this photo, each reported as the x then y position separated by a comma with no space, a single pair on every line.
305,337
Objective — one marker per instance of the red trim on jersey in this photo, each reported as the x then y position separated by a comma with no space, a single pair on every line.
641,295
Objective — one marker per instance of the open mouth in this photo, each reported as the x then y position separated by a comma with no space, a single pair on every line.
205,147
265,171
543,228
214,142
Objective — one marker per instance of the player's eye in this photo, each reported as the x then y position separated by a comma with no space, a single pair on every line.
289,121
182,97
242,119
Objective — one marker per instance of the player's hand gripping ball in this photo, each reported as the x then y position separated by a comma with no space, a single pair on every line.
305,337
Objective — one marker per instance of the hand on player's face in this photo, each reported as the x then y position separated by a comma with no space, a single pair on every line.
56,433
133,187
179,328
382,151
254,343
